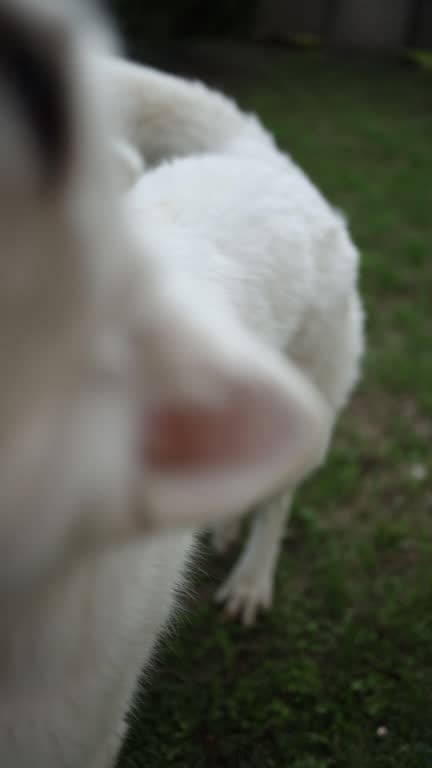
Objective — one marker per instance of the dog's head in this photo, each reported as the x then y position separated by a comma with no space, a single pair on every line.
126,402
63,251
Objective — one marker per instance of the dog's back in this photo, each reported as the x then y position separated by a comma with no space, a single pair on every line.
251,234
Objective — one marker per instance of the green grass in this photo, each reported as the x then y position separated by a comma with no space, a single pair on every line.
347,649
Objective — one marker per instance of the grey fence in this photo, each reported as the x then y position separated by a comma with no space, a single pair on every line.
373,24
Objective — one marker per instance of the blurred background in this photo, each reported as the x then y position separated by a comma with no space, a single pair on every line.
339,673
385,24
374,25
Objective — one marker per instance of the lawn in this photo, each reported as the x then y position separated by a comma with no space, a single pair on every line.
340,673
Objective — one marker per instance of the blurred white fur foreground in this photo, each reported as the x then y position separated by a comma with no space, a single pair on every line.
143,386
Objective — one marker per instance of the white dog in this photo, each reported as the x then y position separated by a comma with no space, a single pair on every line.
242,221
139,389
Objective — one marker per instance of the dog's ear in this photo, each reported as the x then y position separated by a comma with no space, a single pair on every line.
35,93
224,422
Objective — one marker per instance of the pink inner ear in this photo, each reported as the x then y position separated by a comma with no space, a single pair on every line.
184,436
187,436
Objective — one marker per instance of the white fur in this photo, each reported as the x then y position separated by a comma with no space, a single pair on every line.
247,228
131,165
139,392
165,116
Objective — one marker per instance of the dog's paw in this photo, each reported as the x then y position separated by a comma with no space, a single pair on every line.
246,593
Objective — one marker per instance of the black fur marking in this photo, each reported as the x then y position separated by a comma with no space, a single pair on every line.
32,63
